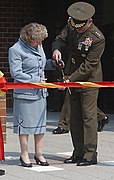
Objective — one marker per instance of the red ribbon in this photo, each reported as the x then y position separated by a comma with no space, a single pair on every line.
6,86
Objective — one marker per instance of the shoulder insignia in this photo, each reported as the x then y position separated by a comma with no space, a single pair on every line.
97,34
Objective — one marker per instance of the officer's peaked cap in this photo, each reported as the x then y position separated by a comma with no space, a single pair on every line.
81,11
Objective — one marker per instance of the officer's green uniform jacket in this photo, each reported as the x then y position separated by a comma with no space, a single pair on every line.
84,51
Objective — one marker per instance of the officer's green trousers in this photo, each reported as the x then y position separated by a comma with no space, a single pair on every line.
83,122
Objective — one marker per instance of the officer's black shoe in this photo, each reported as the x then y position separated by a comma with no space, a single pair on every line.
102,123
72,159
85,162
60,130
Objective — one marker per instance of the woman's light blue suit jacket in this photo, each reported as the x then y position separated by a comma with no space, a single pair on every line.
27,64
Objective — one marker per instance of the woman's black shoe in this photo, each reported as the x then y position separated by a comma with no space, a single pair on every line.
41,162
2,172
25,164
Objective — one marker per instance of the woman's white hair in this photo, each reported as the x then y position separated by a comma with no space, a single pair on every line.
33,31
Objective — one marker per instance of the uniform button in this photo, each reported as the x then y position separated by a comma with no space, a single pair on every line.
83,55
73,60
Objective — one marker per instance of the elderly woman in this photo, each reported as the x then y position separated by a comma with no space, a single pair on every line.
27,62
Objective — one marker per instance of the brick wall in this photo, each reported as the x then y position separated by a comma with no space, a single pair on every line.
13,15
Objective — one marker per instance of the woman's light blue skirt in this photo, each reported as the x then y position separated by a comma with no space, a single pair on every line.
29,116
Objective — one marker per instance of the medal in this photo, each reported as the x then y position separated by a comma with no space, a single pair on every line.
80,45
87,43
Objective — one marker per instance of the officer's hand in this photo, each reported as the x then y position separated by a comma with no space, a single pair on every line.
56,55
66,79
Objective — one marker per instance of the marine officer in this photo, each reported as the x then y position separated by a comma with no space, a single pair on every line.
85,44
